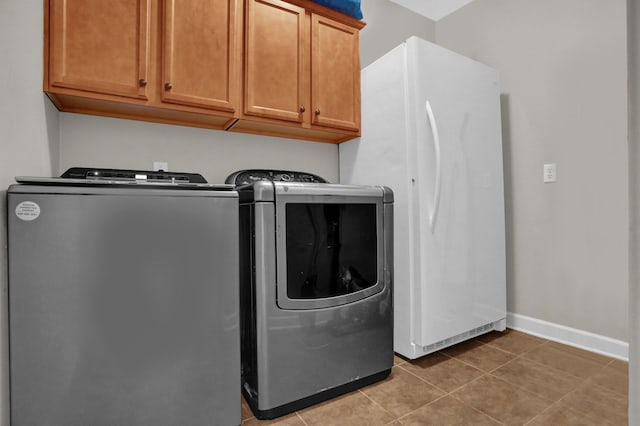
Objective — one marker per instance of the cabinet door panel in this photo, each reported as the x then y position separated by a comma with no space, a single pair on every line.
274,55
99,46
335,74
200,53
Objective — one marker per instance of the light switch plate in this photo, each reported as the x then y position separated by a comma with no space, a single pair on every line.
550,173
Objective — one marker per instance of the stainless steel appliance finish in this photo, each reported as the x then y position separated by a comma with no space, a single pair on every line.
316,292
119,175
123,304
248,177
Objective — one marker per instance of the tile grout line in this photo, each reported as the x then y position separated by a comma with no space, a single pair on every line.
515,356
506,351
576,354
580,382
468,383
422,406
521,356
572,408
475,409
446,394
523,389
376,403
301,419
484,373
545,399
466,363
539,415
607,389
514,353
247,419
424,380
609,366
558,403
480,369
604,387
550,403
557,369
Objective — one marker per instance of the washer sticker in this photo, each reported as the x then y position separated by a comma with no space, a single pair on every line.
28,211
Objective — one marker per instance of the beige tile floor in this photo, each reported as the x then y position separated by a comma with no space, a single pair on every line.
508,378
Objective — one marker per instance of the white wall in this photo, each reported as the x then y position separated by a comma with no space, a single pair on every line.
563,72
633,37
28,130
109,142
388,25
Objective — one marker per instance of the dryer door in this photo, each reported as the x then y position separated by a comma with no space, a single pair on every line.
329,244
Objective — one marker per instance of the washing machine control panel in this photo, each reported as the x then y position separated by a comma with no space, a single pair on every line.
248,177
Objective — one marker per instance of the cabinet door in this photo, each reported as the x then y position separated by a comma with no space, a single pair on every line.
274,60
99,46
201,54
335,74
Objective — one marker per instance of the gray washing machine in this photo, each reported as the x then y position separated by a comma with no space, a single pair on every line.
123,300
316,288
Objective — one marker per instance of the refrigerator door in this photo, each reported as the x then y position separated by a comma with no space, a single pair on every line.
459,203
382,157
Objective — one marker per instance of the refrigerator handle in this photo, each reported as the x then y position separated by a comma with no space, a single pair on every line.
433,215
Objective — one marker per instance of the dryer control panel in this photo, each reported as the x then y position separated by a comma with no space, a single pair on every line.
248,177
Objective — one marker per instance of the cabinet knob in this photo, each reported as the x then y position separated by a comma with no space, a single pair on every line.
168,86
142,82
302,109
317,111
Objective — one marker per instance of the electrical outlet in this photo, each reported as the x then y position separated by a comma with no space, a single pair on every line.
160,166
550,173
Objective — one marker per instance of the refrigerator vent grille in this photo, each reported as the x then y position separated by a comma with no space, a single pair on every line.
459,338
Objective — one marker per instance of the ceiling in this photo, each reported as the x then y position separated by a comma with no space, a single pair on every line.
433,9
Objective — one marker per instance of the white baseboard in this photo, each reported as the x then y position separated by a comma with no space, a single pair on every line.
569,336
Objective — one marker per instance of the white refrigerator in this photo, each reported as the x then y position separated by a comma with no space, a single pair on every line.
431,131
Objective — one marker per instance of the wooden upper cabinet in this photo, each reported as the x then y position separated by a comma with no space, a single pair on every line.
274,60
201,53
288,68
99,46
301,68
335,74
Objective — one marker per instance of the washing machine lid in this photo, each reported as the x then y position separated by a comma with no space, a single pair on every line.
96,173
60,182
125,178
